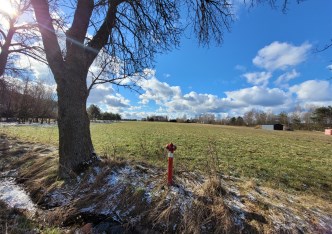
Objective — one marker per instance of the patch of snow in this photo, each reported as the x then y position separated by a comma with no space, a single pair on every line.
11,173
135,220
174,227
234,190
183,198
235,204
97,170
44,125
127,212
325,221
78,179
57,198
15,196
238,221
91,179
127,170
148,197
89,208
251,197
112,179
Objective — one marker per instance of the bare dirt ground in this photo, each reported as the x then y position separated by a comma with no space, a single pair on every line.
125,197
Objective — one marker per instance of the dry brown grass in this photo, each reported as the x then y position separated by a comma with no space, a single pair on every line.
39,174
11,221
164,215
208,212
205,213
193,205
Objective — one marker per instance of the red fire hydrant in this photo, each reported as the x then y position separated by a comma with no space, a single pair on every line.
171,148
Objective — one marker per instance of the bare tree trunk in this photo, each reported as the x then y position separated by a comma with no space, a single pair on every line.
75,146
5,51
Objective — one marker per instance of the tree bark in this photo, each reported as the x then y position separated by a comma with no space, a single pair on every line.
5,50
70,73
75,146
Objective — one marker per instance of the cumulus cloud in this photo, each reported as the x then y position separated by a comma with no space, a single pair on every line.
99,92
173,101
286,77
313,91
259,96
141,114
107,99
329,67
157,91
197,103
279,55
117,101
258,78
105,96
38,70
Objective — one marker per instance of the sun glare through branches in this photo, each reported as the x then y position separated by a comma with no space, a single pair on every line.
8,7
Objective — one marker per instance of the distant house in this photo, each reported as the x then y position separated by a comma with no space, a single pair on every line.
273,127
328,132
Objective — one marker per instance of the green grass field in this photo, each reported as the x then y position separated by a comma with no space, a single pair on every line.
299,161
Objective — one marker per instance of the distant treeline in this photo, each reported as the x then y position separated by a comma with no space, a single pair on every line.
26,101
95,113
313,118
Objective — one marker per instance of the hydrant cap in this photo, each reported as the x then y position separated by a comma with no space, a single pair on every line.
170,147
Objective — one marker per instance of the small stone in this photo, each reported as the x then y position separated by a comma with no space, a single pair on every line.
4,144
86,229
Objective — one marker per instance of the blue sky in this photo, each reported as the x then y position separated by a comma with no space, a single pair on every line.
267,61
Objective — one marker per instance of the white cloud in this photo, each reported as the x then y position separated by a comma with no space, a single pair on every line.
196,103
117,101
99,92
286,77
172,101
38,70
20,83
142,114
329,67
259,96
240,68
107,99
237,6
313,91
258,78
157,91
279,55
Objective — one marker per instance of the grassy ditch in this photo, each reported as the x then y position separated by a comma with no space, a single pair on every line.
297,161
13,221
126,195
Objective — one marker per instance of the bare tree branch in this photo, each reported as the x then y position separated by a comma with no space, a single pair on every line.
325,47
50,39
18,38
76,34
